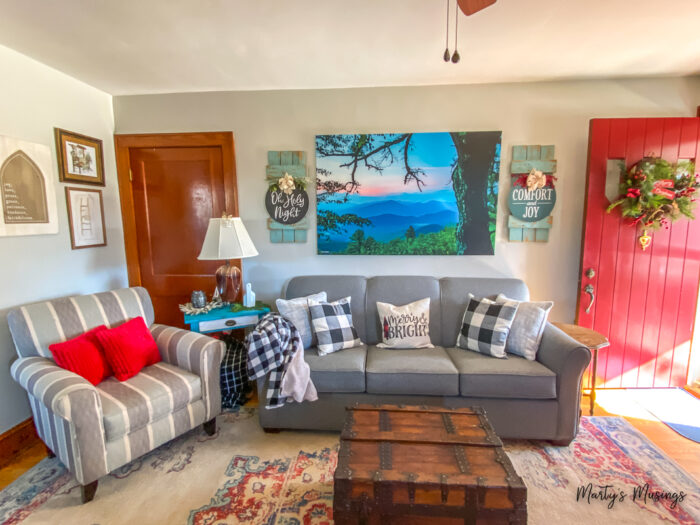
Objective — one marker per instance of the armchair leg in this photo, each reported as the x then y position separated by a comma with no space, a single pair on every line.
210,427
87,492
49,452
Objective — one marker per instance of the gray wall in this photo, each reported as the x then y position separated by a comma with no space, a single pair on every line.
33,99
536,113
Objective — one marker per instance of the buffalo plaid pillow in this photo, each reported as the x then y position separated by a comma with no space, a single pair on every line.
485,326
332,324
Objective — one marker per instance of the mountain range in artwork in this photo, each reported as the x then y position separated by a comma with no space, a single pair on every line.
407,194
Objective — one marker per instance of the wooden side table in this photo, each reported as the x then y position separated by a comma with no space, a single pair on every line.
591,339
224,318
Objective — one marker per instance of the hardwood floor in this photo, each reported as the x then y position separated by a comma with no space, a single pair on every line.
22,463
620,403
608,403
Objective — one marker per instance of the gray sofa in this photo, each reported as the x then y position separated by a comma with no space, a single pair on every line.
523,399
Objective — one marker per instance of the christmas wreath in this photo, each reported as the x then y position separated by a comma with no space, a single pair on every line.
656,192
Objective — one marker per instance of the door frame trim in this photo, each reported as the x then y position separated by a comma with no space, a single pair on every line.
122,145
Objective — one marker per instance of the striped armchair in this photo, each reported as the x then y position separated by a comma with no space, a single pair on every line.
96,429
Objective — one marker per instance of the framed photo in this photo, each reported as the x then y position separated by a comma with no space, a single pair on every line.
86,218
79,158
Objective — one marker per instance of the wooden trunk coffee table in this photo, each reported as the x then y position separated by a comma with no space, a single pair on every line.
424,465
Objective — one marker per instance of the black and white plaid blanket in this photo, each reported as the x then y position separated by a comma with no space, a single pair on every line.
234,374
271,345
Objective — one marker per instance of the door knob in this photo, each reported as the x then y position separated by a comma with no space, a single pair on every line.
590,291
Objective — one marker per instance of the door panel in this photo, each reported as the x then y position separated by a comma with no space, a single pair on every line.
645,300
176,187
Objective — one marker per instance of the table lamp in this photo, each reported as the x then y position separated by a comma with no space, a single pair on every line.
227,239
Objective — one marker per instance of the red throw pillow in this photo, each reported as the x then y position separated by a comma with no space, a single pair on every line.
84,356
129,347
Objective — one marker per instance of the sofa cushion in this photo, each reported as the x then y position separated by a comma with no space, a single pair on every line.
401,289
405,326
453,301
84,356
514,378
129,347
151,394
297,312
336,287
421,371
332,325
526,331
485,326
342,371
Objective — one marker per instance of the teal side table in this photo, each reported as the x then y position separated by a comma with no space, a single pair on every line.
223,318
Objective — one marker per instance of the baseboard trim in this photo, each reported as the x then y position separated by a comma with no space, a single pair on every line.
18,438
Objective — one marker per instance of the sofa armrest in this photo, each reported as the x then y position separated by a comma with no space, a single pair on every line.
196,353
568,359
50,384
67,414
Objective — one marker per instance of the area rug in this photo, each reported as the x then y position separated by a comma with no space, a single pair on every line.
676,407
609,474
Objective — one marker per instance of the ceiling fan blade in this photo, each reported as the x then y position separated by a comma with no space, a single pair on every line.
469,7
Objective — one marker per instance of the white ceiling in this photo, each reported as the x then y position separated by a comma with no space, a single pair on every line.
156,46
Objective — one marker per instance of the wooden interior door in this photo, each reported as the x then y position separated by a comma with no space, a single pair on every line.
170,186
645,300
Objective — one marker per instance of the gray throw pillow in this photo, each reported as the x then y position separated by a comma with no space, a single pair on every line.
526,331
485,326
297,312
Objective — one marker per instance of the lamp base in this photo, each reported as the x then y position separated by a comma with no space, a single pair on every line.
228,282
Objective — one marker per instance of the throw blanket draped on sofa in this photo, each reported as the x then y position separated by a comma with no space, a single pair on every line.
275,348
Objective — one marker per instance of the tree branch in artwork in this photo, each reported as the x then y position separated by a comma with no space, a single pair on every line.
375,152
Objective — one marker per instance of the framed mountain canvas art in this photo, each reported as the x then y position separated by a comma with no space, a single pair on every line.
407,193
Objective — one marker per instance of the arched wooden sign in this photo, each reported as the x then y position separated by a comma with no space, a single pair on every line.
23,190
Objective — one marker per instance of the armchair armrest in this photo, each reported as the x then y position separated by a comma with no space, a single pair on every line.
196,353
50,384
67,414
568,359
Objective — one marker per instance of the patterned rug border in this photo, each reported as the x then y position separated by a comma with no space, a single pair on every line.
627,447
649,443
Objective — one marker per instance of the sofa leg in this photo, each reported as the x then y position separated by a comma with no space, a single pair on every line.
49,452
272,430
210,427
87,492
561,442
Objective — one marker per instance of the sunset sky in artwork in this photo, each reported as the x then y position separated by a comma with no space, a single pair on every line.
433,152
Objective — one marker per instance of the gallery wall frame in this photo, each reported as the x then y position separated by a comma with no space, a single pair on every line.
27,189
80,158
86,217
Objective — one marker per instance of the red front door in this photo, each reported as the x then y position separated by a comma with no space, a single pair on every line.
645,300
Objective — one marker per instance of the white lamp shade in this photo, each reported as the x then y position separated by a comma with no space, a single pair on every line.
226,239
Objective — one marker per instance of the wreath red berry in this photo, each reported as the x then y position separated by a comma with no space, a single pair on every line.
655,192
